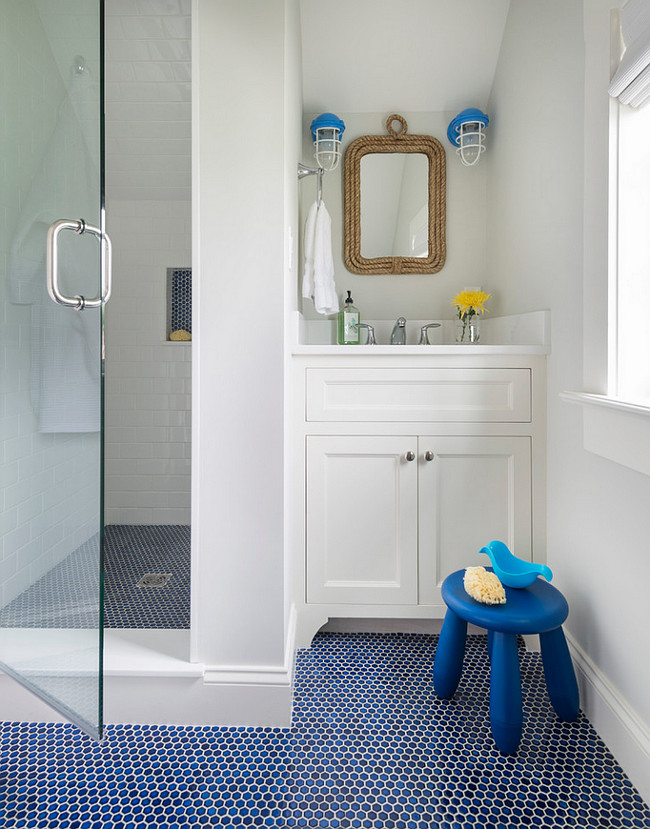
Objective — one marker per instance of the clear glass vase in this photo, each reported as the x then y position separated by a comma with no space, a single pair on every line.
468,329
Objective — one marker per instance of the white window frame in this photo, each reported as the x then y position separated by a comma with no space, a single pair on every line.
616,429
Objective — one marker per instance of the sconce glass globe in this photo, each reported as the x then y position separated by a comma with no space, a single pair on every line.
326,131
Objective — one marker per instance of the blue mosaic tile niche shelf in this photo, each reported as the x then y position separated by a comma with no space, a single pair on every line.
179,300
371,747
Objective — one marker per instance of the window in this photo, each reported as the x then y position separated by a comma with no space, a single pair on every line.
630,283
616,423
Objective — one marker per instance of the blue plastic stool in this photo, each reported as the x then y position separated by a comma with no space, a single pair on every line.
540,609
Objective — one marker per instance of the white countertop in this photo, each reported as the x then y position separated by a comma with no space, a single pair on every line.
417,350
518,334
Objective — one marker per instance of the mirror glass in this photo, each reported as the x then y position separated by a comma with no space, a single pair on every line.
394,205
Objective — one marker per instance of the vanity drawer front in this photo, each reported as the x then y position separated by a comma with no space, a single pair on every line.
486,395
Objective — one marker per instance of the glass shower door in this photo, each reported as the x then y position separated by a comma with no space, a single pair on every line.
53,283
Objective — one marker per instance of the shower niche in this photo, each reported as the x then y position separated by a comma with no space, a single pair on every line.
179,304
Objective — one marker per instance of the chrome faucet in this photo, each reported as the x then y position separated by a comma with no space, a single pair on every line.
424,337
371,332
398,336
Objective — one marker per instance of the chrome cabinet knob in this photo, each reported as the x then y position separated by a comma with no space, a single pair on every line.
410,456
428,455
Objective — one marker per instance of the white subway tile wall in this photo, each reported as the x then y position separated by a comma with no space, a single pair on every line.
148,181
148,380
49,498
148,100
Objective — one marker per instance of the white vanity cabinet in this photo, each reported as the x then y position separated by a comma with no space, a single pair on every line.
404,468
388,517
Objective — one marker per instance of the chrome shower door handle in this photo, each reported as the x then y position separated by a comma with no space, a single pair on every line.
52,265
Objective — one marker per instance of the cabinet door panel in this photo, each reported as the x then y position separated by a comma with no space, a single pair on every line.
476,489
361,520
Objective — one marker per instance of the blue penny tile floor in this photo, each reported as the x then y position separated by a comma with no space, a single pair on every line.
371,747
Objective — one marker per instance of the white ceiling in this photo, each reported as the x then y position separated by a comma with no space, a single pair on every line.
399,55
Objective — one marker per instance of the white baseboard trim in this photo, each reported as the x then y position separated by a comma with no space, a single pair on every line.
279,675
290,643
243,675
621,728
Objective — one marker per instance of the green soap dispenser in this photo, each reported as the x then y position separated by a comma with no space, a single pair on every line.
347,330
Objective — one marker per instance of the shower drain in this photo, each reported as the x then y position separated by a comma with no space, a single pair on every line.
154,580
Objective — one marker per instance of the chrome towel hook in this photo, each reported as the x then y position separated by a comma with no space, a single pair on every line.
303,171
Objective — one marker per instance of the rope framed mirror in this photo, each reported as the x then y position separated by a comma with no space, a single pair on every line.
395,203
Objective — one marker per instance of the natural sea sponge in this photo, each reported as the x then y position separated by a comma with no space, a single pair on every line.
180,335
483,586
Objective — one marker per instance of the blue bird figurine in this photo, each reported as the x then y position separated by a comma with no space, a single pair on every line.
513,571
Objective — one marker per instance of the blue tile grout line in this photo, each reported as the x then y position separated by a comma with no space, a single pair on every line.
371,747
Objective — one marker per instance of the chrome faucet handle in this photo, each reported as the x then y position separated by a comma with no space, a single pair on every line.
398,335
371,332
424,338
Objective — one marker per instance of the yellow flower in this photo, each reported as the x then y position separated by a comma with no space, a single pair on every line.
471,301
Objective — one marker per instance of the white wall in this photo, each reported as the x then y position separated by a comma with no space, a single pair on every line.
292,150
148,380
414,296
239,252
543,179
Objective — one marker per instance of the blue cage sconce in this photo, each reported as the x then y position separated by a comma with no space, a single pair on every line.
466,132
326,132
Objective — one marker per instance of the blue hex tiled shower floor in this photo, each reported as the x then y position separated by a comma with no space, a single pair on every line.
370,747
131,551
68,595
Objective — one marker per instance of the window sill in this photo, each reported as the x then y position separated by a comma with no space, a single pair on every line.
614,429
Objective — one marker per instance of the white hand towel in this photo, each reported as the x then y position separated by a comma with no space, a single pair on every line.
324,289
308,249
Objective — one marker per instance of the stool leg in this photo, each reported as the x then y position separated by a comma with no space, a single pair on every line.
505,693
560,676
448,662
490,636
